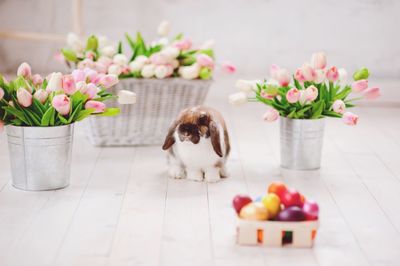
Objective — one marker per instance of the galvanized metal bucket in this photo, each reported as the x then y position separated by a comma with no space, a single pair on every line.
301,143
40,156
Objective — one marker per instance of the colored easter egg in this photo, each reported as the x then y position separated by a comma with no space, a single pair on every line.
291,214
273,204
258,199
278,188
291,198
311,209
255,211
240,201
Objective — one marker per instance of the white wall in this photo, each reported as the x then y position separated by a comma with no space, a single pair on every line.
251,33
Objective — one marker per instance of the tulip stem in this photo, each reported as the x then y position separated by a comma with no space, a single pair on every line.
354,99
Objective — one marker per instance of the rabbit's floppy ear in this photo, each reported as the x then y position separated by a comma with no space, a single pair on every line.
169,139
215,138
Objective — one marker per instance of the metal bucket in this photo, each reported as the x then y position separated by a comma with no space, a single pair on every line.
301,143
40,156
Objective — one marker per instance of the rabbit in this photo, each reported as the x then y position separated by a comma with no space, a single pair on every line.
198,145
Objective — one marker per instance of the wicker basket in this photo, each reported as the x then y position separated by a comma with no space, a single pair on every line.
147,121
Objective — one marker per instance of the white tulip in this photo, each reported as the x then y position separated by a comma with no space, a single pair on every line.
170,52
164,28
238,98
55,82
142,59
103,41
189,72
271,82
120,59
247,85
321,76
135,66
75,42
114,69
109,51
161,71
303,97
126,97
81,86
148,71
163,41
342,75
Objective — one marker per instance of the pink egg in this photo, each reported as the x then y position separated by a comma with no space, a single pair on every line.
311,210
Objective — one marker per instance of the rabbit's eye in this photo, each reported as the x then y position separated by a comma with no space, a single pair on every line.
203,120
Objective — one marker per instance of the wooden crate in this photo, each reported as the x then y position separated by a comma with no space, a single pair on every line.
277,234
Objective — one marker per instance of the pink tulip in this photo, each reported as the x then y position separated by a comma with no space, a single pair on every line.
184,44
90,55
98,106
37,80
311,93
308,72
293,95
283,77
79,75
24,97
91,90
24,70
318,60
41,95
1,125
339,106
108,81
90,74
62,104
359,85
1,93
298,75
68,84
271,115
205,61
350,118
332,74
372,93
228,67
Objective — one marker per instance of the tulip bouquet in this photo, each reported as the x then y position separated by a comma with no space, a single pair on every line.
316,91
30,100
161,59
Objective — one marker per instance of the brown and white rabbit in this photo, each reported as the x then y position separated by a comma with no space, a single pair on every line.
198,145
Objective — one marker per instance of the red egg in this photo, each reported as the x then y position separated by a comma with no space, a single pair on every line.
240,201
291,214
291,198
311,210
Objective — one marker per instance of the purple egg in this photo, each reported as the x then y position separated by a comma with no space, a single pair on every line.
291,214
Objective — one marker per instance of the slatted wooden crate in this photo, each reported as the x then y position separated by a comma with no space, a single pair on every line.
277,234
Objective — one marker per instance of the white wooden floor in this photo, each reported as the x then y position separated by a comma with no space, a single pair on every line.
121,209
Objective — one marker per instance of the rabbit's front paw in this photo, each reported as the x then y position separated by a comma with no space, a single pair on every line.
176,172
212,175
195,175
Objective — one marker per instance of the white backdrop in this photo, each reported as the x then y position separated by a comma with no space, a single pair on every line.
250,33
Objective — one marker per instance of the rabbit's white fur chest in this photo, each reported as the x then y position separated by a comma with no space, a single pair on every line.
197,161
197,156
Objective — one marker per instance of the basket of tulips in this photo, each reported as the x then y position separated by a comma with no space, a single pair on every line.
302,102
39,115
168,75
